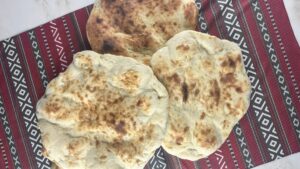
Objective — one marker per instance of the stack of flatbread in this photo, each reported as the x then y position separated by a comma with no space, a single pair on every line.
153,82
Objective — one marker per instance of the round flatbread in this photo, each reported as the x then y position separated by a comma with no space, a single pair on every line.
104,111
137,28
208,89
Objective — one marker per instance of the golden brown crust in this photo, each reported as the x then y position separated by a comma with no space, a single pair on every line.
185,92
137,28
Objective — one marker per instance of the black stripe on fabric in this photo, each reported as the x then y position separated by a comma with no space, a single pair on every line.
89,8
202,24
38,58
243,147
9,136
81,43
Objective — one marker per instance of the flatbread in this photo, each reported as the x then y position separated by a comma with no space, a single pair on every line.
104,111
208,89
137,28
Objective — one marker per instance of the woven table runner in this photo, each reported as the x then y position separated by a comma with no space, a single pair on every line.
270,130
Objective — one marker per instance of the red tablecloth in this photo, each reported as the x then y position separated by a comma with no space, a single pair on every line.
270,130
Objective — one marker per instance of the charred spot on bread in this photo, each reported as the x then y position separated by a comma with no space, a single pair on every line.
185,92
215,91
107,46
120,127
99,20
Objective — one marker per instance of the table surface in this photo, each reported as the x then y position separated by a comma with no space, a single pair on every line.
293,8
18,16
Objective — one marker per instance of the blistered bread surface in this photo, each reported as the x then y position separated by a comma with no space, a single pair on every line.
105,111
208,88
137,28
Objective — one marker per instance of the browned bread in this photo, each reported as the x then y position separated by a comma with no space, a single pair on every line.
137,28
208,88
105,112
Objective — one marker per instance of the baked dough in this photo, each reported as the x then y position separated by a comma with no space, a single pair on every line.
137,28
104,111
208,89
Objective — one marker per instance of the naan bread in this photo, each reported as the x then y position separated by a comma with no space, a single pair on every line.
208,88
104,111
137,28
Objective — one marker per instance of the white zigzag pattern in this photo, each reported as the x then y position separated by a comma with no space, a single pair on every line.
259,104
58,45
220,159
24,101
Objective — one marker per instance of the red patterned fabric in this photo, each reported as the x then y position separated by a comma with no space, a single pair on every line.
270,130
